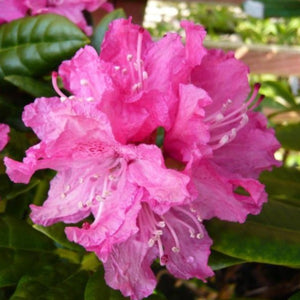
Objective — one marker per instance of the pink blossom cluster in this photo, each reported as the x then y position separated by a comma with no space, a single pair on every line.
145,201
4,130
71,9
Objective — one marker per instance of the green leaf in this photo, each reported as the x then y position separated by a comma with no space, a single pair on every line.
102,27
14,264
33,46
278,89
19,189
296,296
289,136
32,86
97,289
57,281
271,237
18,235
219,260
56,232
282,184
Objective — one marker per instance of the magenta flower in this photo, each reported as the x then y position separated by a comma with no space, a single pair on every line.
71,9
234,145
146,202
127,80
4,130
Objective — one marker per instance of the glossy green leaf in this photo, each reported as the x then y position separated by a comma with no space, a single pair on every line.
282,184
56,232
102,27
32,86
272,237
97,289
289,136
219,260
33,46
18,235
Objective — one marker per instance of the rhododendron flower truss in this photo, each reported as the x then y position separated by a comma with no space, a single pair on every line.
4,130
100,140
71,9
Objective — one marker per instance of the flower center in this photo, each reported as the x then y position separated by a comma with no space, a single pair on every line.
225,124
98,188
160,225
135,69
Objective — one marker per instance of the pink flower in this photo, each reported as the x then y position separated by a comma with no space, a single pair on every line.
95,174
137,78
124,80
71,9
11,10
4,130
225,143
100,141
178,238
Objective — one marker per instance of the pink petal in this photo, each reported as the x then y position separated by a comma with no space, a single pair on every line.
115,224
189,130
223,77
128,268
4,138
194,48
216,193
71,9
252,151
11,10
191,257
121,40
85,75
166,187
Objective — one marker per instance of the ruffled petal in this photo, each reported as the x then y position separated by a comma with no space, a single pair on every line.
189,131
128,268
223,77
166,187
194,49
115,222
225,195
252,151
85,75
190,257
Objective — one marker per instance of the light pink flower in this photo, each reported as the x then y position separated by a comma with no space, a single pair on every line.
178,238
4,130
11,10
95,174
71,9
